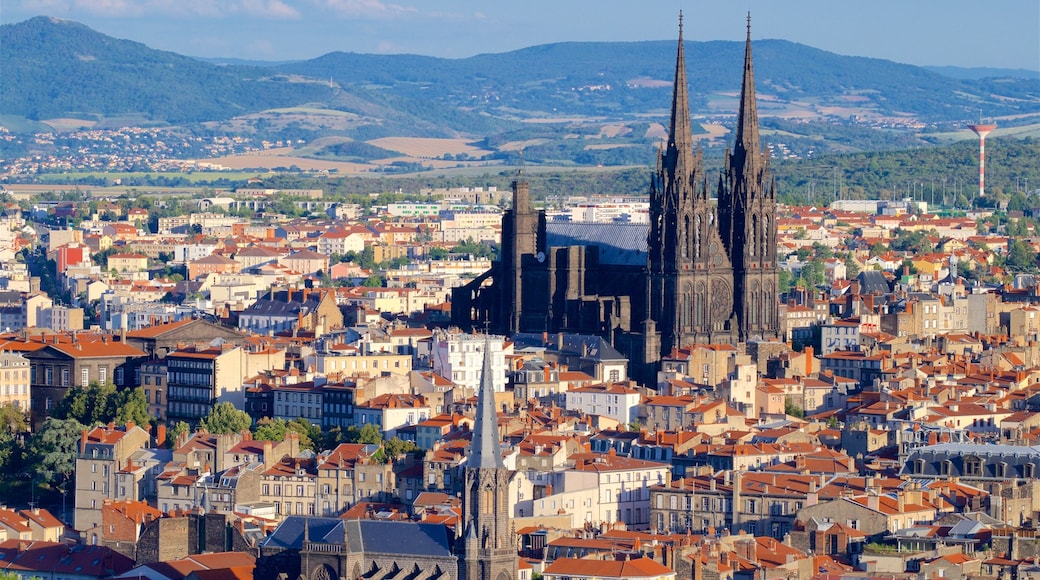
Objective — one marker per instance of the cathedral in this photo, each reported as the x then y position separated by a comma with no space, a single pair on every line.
701,272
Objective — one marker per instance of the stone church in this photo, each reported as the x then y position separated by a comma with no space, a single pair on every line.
702,272
481,547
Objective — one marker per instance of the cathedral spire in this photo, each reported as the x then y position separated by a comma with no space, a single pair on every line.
679,136
747,122
485,452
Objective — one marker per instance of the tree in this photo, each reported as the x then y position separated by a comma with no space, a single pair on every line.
268,429
852,268
375,281
368,434
52,453
792,409
225,418
1021,256
97,403
396,447
175,433
12,420
88,405
131,406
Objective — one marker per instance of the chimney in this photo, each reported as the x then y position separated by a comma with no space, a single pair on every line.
83,441
160,435
873,502
810,353
129,426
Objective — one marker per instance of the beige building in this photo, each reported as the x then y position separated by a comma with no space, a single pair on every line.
14,380
102,453
351,363
348,474
128,262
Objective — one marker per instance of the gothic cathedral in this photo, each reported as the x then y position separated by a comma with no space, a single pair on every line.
703,271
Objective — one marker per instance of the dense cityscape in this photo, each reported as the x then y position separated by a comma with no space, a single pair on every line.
701,383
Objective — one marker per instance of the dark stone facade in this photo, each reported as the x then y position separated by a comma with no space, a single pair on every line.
700,273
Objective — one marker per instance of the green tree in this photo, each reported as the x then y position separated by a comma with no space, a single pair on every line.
268,429
852,268
172,435
375,281
792,409
1021,256
131,405
225,418
396,447
52,451
368,434
88,405
12,420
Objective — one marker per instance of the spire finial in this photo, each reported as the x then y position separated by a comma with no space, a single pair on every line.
749,24
680,23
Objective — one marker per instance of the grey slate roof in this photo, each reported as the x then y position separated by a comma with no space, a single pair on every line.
872,282
387,537
932,457
484,450
290,533
619,244
593,346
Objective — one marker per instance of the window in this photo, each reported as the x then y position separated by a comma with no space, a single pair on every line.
84,377
103,375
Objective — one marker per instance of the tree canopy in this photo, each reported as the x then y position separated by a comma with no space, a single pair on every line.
105,403
225,418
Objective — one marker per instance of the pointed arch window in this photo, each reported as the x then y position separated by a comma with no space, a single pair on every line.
687,238
753,242
697,238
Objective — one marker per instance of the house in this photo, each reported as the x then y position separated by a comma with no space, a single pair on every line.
212,264
127,262
635,569
617,401
102,453
63,363
56,560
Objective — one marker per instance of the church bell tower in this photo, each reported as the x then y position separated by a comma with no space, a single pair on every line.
486,548
747,209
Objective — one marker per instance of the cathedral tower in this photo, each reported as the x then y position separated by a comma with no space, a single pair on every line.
747,209
691,279
486,548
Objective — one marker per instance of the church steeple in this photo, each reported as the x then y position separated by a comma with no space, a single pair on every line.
747,121
486,550
680,138
747,209
485,453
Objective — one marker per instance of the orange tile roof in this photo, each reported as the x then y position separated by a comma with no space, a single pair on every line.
637,568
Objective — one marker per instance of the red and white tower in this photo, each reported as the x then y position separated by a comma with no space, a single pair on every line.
982,130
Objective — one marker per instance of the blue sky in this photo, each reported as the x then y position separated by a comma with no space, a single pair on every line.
921,32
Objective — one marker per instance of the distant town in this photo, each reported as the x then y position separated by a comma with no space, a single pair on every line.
702,383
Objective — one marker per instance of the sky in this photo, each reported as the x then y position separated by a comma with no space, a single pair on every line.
966,33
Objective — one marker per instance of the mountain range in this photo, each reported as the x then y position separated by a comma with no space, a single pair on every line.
58,69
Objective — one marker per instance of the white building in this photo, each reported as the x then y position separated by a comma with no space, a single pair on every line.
611,400
460,357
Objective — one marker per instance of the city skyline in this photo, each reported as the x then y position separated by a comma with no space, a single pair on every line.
928,33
